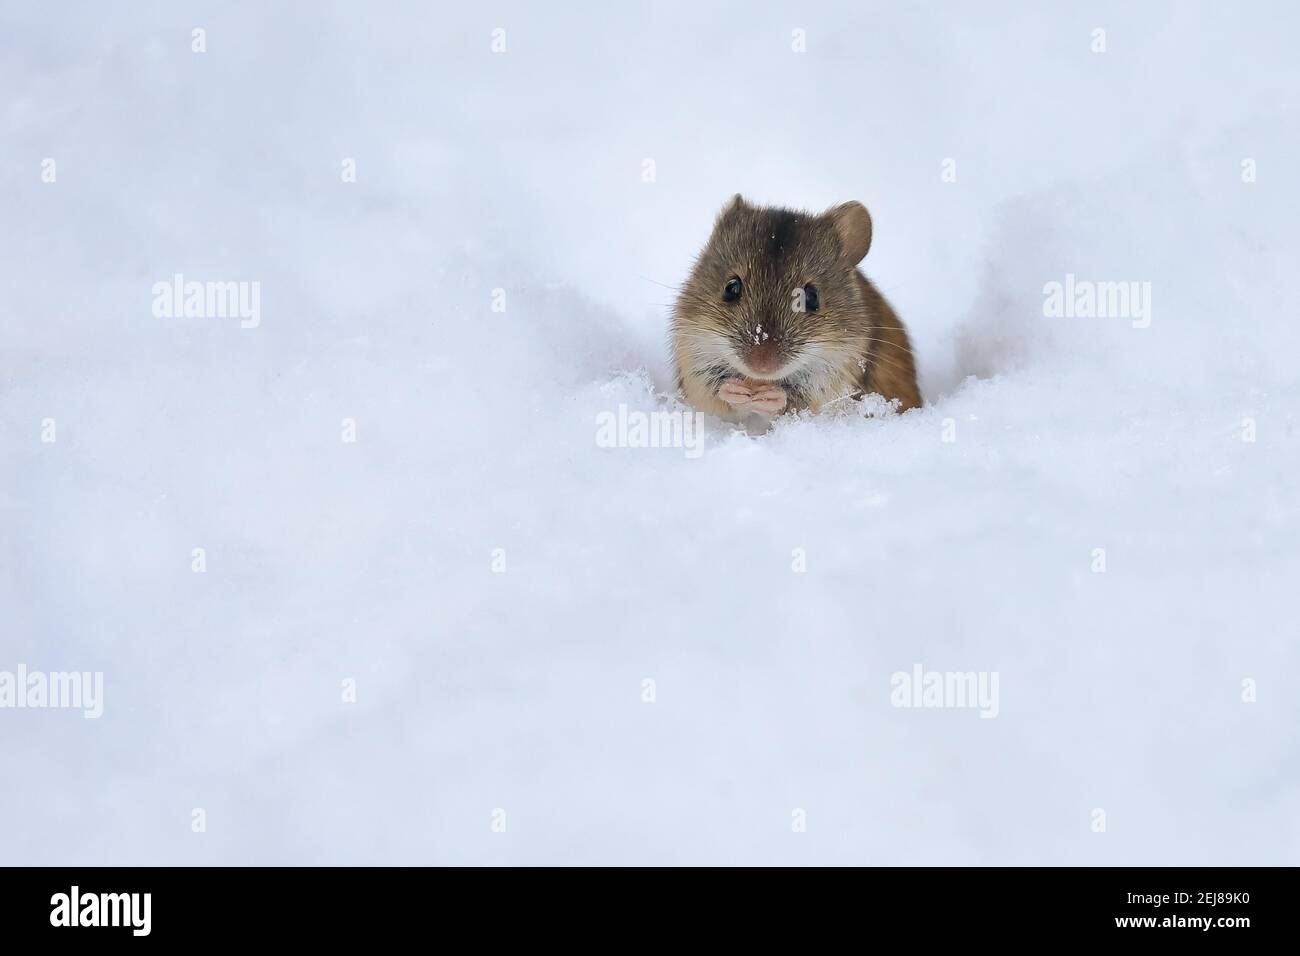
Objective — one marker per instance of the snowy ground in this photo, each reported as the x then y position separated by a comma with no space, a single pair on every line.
327,561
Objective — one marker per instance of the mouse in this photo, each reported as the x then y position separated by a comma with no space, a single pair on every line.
776,317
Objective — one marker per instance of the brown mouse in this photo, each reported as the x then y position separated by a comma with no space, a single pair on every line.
777,317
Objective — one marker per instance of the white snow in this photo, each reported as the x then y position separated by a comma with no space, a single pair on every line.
373,560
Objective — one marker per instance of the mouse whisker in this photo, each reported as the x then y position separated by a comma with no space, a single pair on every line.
901,348
665,285
888,363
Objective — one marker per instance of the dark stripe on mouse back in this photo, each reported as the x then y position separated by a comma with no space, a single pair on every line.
782,230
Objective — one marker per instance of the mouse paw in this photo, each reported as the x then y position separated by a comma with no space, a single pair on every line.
768,400
735,393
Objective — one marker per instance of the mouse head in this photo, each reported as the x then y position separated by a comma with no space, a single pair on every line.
775,291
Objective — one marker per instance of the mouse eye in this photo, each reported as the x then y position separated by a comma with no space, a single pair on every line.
731,291
810,300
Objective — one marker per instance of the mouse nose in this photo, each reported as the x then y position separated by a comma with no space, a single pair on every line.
763,358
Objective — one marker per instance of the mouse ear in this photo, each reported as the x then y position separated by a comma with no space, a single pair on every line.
853,224
734,204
